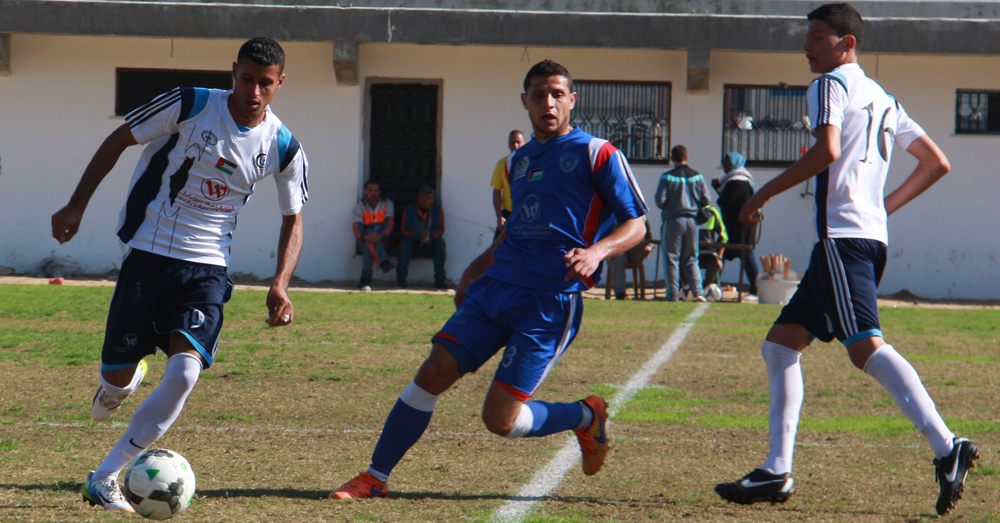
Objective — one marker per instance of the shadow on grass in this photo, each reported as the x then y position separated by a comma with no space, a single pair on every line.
263,493
67,486
323,494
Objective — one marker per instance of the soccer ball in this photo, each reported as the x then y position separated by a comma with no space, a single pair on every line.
713,293
159,484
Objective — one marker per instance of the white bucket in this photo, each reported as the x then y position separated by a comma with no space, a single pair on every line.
776,292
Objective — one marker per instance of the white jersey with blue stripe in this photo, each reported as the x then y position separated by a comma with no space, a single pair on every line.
850,201
199,169
567,193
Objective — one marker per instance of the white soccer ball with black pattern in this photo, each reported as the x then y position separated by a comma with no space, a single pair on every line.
159,484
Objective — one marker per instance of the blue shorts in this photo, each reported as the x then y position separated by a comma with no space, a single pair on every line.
838,296
535,325
156,296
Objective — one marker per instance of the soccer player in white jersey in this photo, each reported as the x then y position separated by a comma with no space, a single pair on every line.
207,148
855,123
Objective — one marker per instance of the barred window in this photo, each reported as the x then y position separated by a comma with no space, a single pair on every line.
769,125
634,117
136,87
977,112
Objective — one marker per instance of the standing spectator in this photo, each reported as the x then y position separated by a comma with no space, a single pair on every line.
422,228
735,188
373,218
502,203
636,254
681,192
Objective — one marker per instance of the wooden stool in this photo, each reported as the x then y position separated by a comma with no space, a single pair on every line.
638,275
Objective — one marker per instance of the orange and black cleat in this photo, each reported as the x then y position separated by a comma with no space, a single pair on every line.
363,486
594,439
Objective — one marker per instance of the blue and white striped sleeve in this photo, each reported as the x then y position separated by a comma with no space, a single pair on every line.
292,177
164,114
828,99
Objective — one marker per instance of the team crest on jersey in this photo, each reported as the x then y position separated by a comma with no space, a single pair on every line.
520,169
260,163
535,175
568,162
130,340
225,166
208,139
531,208
214,189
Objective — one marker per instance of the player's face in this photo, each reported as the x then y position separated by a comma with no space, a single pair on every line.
372,193
549,102
824,49
254,89
515,141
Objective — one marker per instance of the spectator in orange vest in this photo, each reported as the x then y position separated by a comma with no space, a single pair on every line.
372,226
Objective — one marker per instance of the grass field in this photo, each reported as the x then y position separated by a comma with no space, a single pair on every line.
287,415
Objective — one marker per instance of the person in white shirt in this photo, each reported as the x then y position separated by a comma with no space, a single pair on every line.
855,125
207,149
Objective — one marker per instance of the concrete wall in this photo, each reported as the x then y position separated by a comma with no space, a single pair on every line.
57,106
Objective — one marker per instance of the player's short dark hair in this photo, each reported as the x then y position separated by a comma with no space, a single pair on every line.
263,51
424,190
373,182
679,153
844,19
515,131
547,68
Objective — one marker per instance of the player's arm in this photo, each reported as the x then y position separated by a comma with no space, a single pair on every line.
289,248
497,205
66,222
583,262
818,157
932,166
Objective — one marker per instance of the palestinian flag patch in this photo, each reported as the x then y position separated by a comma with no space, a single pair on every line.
535,175
225,166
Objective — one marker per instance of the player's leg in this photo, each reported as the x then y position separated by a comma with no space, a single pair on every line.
689,256
448,361
545,325
672,237
860,267
795,327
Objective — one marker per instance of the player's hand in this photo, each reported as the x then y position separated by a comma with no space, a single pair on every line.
648,249
716,183
581,262
749,214
65,223
279,307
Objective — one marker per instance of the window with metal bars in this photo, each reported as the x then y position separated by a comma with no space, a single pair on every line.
977,112
769,125
634,117
136,87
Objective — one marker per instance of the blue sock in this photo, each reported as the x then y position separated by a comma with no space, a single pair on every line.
553,417
402,429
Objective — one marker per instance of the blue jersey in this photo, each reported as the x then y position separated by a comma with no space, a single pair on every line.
565,193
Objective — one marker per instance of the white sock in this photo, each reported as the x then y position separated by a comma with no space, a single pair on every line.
377,475
522,425
120,392
588,416
785,377
152,419
898,377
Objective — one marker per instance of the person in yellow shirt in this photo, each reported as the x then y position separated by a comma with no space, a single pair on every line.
501,187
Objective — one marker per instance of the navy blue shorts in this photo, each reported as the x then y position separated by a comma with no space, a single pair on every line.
156,296
838,296
536,327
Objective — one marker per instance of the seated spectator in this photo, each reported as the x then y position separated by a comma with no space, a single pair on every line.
636,254
422,226
734,189
713,231
373,219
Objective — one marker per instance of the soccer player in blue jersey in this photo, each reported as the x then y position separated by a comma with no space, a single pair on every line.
565,185
207,148
855,123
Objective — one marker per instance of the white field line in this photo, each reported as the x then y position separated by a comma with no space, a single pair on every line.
549,477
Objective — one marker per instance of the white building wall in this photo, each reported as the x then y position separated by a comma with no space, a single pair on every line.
56,107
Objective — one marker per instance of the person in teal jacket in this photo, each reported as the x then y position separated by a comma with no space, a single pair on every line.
422,228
